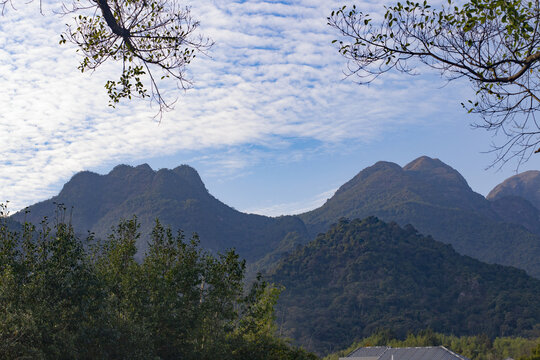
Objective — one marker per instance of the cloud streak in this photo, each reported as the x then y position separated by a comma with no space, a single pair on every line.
271,77
295,207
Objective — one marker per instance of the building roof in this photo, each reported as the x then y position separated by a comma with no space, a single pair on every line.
408,353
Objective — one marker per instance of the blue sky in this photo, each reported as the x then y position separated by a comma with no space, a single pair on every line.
271,123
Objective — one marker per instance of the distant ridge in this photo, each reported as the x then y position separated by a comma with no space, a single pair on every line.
176,197
517,210
525,185
436,200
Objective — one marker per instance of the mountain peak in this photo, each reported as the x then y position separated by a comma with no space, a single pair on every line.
190,175
380,167
516,183
185,170
424,163
371,174
82,177
124,170
120,170
144,167
436,170
178,198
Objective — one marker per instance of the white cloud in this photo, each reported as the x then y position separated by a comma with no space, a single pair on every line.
293,208
271,76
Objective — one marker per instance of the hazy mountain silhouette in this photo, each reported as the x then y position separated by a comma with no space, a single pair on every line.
436,200
525,185
517,199
177,197
363,275
515,209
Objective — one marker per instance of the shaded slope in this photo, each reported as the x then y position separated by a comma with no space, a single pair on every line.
435,199
177,197
12,225
517,210
362,275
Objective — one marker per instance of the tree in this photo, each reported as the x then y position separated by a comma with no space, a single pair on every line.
493,43
535,354
50,298
153,40
66,298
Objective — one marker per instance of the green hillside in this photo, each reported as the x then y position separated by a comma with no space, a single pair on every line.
517,210
436,200
363,275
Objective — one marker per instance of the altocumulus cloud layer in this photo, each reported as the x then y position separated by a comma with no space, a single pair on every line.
272,76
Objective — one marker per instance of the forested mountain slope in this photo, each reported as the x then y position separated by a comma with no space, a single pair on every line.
436,200
517,210
177,197
363,275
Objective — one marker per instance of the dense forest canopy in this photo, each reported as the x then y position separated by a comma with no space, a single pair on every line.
362,275
62,297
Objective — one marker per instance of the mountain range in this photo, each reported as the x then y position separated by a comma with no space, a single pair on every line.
430,195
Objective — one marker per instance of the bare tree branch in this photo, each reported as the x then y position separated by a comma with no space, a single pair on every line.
154,39
493,43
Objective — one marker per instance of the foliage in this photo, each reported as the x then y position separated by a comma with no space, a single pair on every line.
64,298
363,275
478,347
494,44
535,354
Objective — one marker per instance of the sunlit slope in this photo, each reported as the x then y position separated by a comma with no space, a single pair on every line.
436,200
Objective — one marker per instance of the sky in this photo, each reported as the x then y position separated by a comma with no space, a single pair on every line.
272,124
